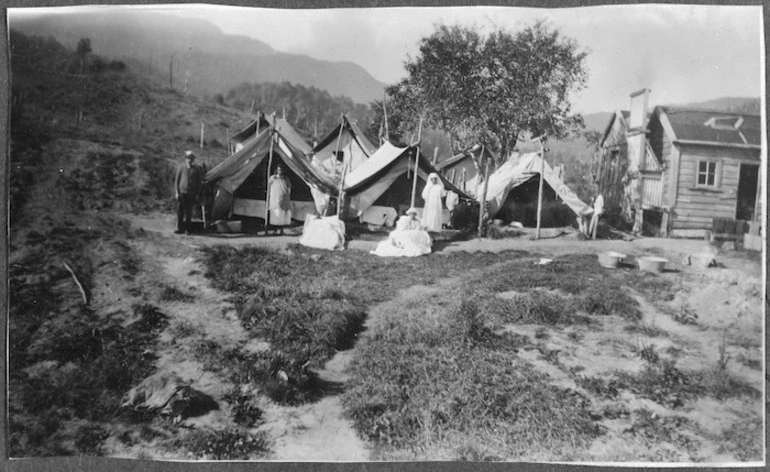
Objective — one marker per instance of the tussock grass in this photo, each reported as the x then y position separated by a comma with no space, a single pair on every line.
308,308
423,378
228,444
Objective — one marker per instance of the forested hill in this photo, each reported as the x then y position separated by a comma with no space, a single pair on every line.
201,57
312,111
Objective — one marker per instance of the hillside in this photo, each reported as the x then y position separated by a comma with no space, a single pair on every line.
205,58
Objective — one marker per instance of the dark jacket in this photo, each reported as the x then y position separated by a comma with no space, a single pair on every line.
189,181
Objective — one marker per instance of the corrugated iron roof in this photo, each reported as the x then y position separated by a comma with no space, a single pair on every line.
699,125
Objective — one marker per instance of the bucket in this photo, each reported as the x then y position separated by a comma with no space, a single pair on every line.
610,259
652,264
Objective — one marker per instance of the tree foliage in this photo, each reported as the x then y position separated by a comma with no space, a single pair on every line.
307,108
492,88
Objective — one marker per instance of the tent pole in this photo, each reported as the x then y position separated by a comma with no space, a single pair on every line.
385,114
267,189
483,201
414,177
337,148
540,190
341,194
463,179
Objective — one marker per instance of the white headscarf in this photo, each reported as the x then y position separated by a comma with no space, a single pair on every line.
429,184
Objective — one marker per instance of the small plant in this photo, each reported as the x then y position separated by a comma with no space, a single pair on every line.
228,444
173,294
245,412
686,316
542,333
655,428
90,438
599,386
649,354
724,358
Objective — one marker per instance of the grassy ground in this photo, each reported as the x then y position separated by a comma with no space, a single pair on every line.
310,304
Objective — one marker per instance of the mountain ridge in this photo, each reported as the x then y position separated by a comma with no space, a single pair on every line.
197,50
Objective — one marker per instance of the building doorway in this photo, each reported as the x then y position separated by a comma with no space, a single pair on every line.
748,181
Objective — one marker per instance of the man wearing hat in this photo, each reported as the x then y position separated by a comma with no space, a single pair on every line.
187,188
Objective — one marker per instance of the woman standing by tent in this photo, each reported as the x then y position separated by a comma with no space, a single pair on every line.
432,216
279,194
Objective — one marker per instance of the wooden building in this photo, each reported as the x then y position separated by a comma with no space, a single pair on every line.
672,171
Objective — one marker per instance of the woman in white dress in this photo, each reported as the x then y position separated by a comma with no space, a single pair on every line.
279,193
409,239
432,216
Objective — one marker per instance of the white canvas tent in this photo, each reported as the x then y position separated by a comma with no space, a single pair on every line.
353,147
241,179
385,180
521,169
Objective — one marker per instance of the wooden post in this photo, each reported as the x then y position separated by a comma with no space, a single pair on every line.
337,149
464,179
435,155
269,165
252,107
483,201
540,190
203,127
414,177
229,142
385,115
171,71
341,193
419,132
452,179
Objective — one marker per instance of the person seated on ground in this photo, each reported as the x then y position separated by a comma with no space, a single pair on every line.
279,193
409,239
326,232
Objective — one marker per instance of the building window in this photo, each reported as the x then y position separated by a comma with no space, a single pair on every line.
707,174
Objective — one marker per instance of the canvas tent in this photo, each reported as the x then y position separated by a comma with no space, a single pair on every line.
262,123
462,168
512,193
354,149
250,131
241,179
384,181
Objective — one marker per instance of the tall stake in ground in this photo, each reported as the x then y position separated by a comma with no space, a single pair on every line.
269,165
337,148
540,187
483,200
416,163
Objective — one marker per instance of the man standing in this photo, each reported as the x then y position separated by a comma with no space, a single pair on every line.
187,188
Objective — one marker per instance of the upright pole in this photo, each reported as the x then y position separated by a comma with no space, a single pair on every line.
414,177
483,201
540,190
452,179
464,179
337,148
171,71
203,127
269,165
341,193
435,155
385,115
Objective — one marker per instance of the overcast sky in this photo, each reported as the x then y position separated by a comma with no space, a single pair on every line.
682,53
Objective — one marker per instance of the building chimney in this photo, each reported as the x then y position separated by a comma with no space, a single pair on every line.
636,140
639,102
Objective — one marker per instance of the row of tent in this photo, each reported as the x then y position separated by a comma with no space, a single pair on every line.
377,182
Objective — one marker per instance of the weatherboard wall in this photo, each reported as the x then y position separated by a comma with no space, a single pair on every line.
613,165
696,206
